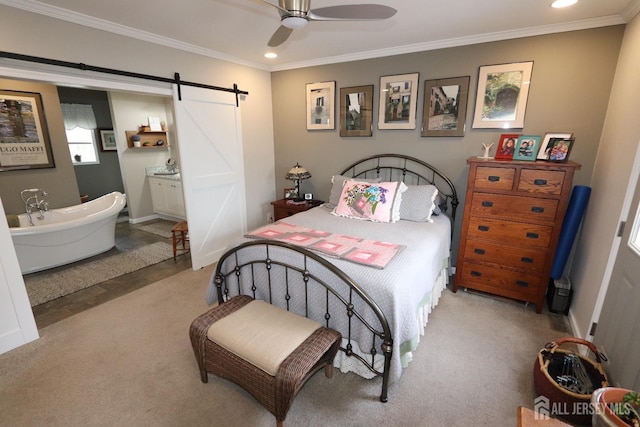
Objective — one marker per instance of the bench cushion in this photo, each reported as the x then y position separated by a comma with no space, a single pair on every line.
262,334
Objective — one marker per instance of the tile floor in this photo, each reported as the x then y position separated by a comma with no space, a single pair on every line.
127,237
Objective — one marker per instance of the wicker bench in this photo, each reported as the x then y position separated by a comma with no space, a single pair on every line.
223,349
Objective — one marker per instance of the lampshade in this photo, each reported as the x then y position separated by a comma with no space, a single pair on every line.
297,173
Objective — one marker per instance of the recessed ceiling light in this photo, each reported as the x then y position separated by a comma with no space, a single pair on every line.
563,3
270,55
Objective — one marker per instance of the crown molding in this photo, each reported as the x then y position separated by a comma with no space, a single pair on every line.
631,10
100,24
123,30
460,41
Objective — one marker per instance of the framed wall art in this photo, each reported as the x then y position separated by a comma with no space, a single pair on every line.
356,110
502,95
398,101
547,143
445,106
506,146
24,136
321,100
107,140
527,147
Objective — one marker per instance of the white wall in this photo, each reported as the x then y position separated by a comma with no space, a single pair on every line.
128,112
619,142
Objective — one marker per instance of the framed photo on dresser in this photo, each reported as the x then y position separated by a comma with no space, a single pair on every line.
507,146
547,143
527,147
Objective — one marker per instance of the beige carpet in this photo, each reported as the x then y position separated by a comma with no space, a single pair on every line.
161,228
129,362
43,287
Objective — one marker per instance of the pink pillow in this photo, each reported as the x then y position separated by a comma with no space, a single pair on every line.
378,202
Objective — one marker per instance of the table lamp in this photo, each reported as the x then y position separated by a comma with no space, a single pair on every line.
297,173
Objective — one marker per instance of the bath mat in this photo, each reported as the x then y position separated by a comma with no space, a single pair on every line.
46,287
161,228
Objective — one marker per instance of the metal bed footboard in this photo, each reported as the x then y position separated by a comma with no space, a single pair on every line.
303,282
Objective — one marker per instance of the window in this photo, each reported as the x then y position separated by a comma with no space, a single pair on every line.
634,239
80,125
82,146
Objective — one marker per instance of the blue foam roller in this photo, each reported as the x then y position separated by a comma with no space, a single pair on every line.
575,211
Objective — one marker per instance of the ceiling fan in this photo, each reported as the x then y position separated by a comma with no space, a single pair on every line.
296,14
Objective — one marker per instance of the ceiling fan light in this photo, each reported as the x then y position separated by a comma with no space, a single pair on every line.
294,22
563,3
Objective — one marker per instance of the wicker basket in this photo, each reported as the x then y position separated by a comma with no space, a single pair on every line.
546,369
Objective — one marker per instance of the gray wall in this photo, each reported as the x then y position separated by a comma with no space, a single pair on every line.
572,78
103,178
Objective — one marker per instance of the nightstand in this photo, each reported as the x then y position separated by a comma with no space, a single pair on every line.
282,209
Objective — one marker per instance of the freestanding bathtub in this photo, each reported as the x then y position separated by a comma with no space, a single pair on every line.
68,234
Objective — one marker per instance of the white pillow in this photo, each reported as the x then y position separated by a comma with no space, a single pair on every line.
419,203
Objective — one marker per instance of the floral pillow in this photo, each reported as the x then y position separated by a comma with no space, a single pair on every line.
378,202
338,182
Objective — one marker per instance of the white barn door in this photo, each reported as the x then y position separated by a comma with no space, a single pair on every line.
212,170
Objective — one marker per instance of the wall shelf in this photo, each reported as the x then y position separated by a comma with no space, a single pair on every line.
147,139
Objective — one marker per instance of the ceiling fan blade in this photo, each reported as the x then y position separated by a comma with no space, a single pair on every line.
280,36
283,12
353,12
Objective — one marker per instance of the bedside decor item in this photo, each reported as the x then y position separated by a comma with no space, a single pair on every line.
549,137
398,101
506,146
290,193
356,110
321,98
297,174
527,147
502,95
445,106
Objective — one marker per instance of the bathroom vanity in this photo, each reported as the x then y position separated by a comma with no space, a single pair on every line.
166,193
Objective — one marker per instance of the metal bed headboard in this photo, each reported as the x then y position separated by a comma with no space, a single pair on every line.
411,171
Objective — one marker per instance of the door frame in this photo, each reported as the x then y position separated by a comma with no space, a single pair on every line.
634,181
52,75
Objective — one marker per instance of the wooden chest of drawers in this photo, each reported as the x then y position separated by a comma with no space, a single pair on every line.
512,218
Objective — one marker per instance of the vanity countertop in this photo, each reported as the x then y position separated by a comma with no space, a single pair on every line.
162,172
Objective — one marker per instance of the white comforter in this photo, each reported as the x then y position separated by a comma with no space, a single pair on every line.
401,287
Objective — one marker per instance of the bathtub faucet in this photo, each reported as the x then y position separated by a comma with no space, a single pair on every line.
31,202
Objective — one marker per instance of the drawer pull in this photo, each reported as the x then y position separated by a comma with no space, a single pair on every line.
483,227
532,235
476,273
540,181
522,283
537,209
487,204
526,259
494,178
479,251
